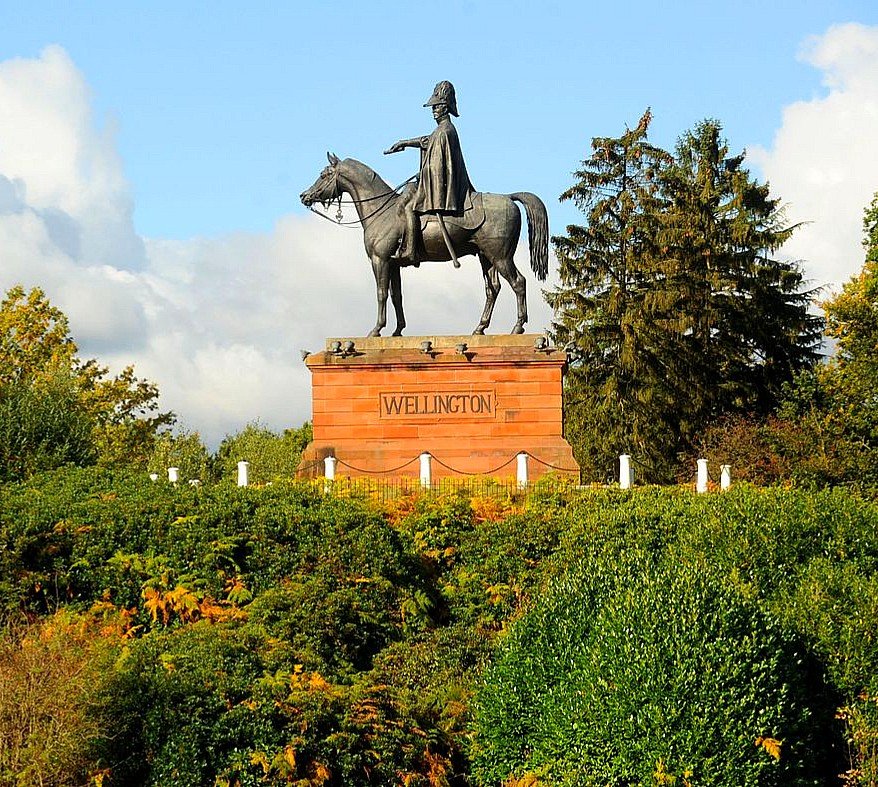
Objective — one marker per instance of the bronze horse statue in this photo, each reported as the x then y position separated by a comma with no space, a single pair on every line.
491,233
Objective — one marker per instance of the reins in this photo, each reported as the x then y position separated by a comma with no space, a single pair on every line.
338,215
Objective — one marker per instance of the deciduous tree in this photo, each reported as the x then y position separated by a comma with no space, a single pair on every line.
852,315
56,408
848,386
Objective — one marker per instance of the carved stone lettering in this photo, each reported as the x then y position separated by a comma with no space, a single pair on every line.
438,404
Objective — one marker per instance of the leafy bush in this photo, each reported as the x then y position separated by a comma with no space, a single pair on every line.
637,671
274,634
821,436
42,428
746,443
271,455
178,701
51,723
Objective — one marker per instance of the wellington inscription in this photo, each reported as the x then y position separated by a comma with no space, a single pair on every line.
449,404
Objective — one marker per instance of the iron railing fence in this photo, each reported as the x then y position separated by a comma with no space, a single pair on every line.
385,489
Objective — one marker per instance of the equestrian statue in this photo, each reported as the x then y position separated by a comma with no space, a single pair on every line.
437,217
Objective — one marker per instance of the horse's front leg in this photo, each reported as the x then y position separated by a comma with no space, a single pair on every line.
396,297
381,269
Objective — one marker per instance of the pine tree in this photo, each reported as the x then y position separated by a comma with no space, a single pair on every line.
744,313
615,401
670,301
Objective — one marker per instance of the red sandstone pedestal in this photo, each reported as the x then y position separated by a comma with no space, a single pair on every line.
378,407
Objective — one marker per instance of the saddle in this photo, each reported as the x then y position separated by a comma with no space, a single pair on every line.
471,219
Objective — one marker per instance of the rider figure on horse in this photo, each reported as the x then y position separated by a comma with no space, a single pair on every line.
442,187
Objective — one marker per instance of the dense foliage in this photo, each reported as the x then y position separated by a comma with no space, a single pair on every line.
43,427
671,301
667,650
270,455
825,430
279,635
58,409
606,305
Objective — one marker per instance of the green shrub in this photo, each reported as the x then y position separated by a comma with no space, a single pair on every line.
183,450
43,427
178,702
638,671
276,609
271,455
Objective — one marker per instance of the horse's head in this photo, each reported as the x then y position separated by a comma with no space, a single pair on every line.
325,188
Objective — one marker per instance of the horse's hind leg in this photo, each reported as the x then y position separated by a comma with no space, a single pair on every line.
396,297
492,287
508,271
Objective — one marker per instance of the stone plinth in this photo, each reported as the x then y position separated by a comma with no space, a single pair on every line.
376,409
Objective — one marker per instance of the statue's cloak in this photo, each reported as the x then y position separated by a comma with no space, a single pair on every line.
444,185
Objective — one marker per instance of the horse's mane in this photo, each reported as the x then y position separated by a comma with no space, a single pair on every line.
364,172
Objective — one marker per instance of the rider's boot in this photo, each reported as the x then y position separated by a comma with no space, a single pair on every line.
409,247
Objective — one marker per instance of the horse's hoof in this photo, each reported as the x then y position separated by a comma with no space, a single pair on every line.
375,332
480,331
518,329
397,332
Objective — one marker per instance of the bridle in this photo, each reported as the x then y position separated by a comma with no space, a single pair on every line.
336,191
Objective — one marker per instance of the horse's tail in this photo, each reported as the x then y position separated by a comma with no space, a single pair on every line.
537,231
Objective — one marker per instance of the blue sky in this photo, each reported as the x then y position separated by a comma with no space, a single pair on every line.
151,156
223,111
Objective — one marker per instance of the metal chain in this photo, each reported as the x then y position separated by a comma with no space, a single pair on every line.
376,472
455,470
306,468
464,472
551,466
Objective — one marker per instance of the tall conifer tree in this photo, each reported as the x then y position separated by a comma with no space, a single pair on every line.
671,301
744,312
615,400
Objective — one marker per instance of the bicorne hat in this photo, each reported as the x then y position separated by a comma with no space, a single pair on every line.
443,93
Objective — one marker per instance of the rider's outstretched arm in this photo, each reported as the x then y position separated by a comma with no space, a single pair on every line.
415,142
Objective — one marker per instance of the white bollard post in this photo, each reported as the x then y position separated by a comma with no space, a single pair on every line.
701,476
426,470
521,470
173,474
243,473
329,463
626,472
725,477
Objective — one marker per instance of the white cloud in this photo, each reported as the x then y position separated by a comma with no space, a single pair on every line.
65,211
65,168
219,322
234,312
824,158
